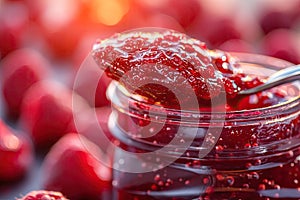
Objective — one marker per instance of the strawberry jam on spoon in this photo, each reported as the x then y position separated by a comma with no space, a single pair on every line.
155,64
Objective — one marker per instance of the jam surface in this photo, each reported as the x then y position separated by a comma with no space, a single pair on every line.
256,156
159,66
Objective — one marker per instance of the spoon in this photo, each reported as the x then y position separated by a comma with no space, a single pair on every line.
285,75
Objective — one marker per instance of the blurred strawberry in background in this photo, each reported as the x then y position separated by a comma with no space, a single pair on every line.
236,45
279,15
179,14
217,30
14,20
15,153
20,70
46,113
74,167
50,39
282,43
60,27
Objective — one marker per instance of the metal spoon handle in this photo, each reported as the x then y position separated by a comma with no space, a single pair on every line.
286,75
286,72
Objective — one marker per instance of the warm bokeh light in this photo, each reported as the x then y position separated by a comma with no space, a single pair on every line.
109,12
57,15
11,142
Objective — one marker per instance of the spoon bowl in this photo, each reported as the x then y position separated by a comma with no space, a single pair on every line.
280,77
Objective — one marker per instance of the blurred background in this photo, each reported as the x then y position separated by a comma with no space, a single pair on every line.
57,35
66,29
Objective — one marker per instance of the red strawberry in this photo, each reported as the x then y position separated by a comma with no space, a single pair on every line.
15,154
100,95
47,113
73,167
216,29
95,125
43,195
13,20
20,69
53,21
182,12
272,18
163,21
91,83
283,44
236,45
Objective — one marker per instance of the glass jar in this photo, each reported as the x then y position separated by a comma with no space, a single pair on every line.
246,154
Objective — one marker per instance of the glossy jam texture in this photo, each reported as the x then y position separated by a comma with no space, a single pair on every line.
257,159
247,161
162,66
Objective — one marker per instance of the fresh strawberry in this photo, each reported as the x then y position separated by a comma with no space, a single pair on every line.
20,69
215,29
43,195
91,83
74,167
47,113
16,154
163,21
182,12
94,125
272,19
283,44
236,45
59,29
14,19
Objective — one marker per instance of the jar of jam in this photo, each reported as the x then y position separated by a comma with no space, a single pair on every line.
243,153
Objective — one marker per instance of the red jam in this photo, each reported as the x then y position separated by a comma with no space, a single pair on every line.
157,65
252,149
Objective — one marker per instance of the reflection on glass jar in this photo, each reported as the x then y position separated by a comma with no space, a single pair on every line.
182,154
